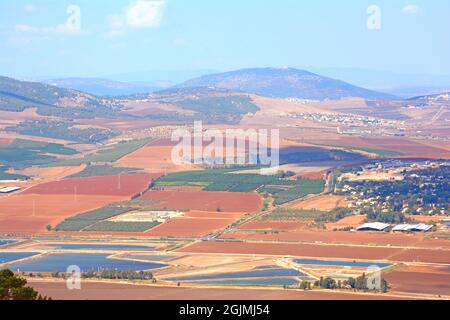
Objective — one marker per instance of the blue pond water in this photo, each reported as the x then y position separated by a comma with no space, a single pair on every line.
4,242
86,262
67,246
13,256
341,263
248,274
447,223
253,282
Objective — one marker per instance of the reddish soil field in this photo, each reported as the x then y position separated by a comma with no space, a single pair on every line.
214,215
351,238
321,251
115,291
351,221
205,201
154,157
26,214
190,227
324,203
118,185
426,280
313,175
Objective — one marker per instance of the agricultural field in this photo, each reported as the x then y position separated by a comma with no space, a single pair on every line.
127,185
228,180
108,154
285,214
34,213
321,251
324,203
92,218
63,130
386,146
190,227
433,280
204,201
382,153
155,157
123,226
20,154
102,170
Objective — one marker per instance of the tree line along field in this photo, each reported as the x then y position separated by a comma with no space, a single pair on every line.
228,180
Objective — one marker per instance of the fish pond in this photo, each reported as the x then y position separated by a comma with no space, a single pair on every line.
6,257
86,262
248,274
272,282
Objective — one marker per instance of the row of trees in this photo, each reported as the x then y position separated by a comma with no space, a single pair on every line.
361,284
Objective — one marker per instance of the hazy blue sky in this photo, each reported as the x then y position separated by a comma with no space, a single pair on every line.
124,36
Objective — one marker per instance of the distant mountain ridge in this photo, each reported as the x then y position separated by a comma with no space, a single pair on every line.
105,87
284,83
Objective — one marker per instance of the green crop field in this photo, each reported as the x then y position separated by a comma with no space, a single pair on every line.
107,155
24,153
302,189
82,221
105,170
229,180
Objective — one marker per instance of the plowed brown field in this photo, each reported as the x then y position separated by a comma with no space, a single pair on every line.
331,237
116,291
323,203
154,157
118,185
427,280
27,213
190,227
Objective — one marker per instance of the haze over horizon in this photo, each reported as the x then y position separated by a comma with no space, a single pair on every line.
50,38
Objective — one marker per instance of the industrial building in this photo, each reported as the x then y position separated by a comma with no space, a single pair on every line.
375,226
421,227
